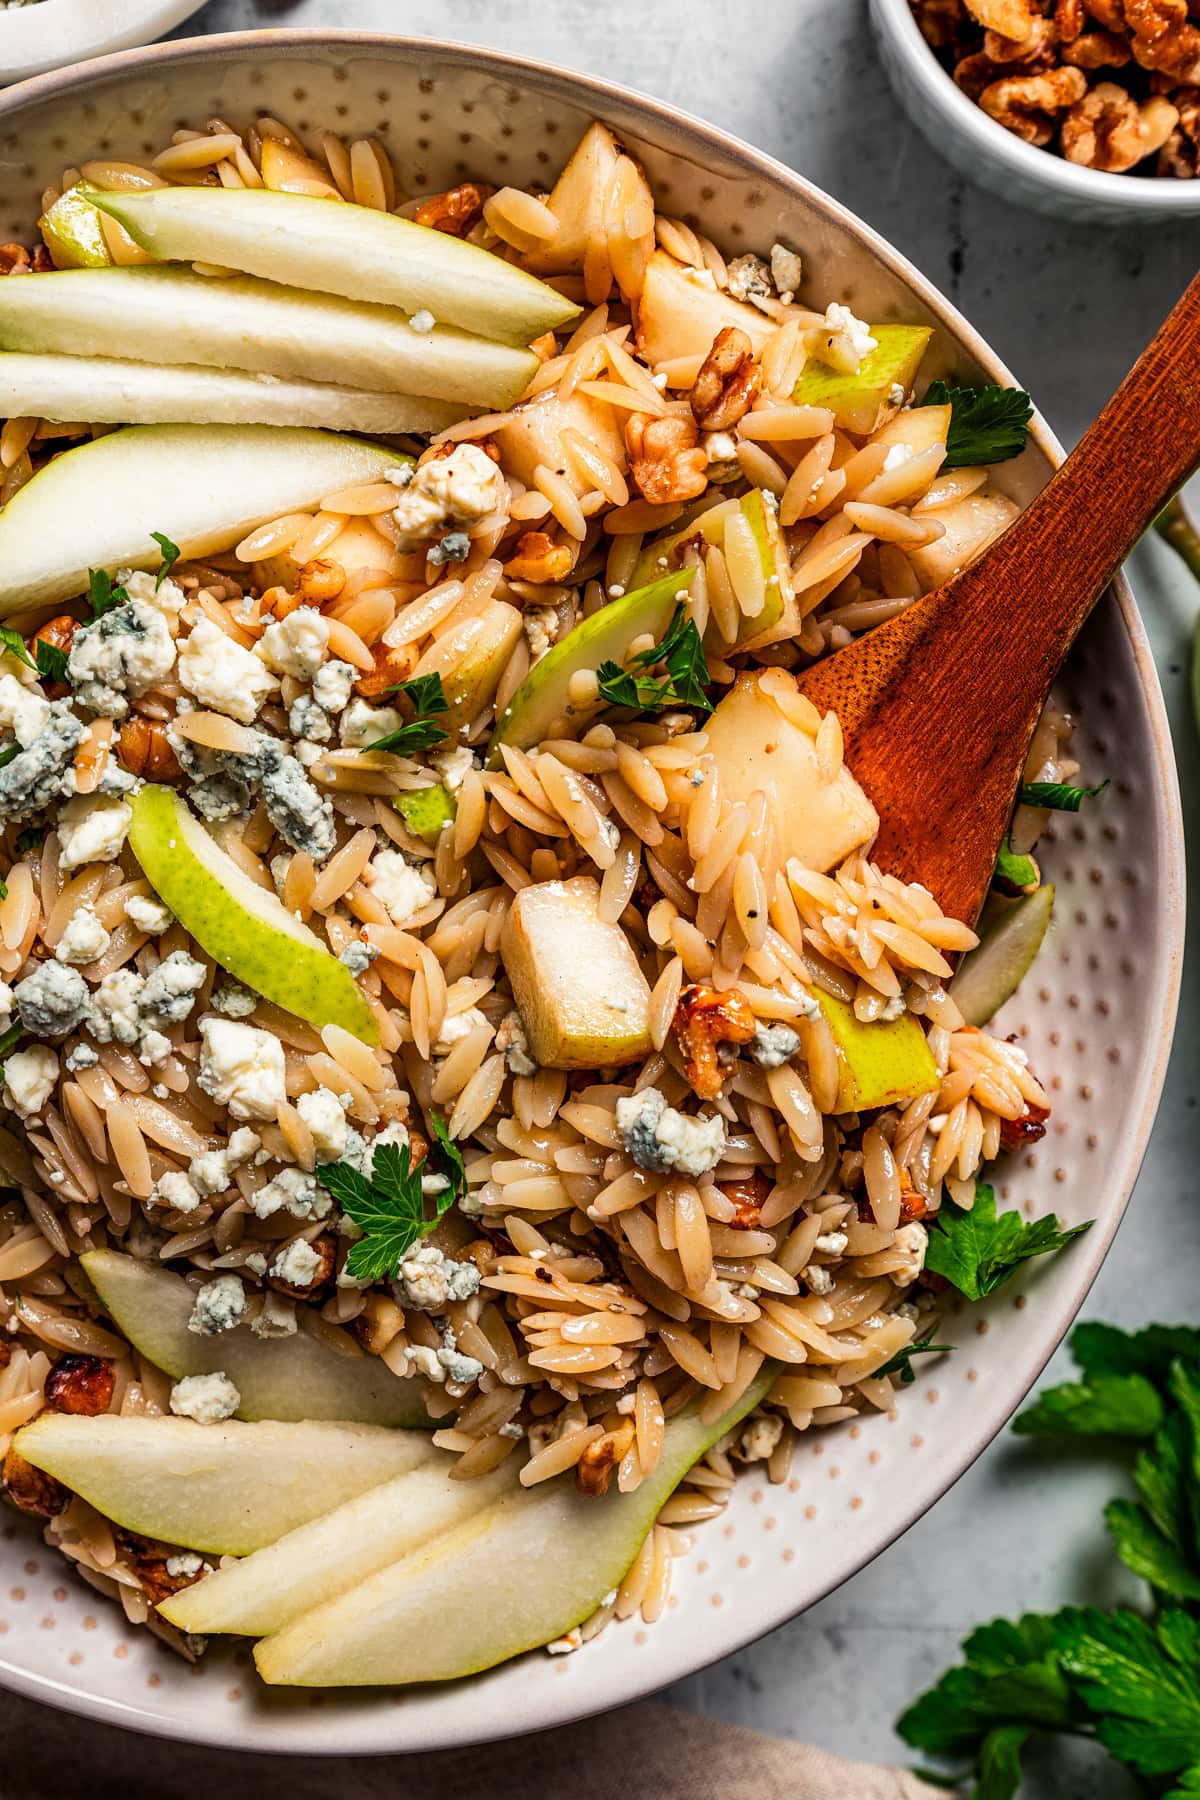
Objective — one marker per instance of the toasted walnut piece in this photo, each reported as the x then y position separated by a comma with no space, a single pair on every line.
31,1491
1179,158
82,1385
1070,17
1098,50
1013,18
1153,19
1036,48
943,23
392,666
975,73
1157,119
705,1018
1014,1133
665,458
747,1196
59,632
14,259
378,1322
456,210
539,559
727,382
594,1470
1187,103
1174,52
147,1560
1108,13
1026,104
322,579
913,1204
1103,130
325,1247
144,748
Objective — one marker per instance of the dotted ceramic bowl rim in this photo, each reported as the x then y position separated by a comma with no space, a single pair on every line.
533,1693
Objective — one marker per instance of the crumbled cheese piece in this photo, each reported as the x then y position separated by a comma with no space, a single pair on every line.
911,1241
294,1190
206,1398
322,1112
235,1001
719,447
112,1014
221,674
772,1045
660,1139
459,489
363,725
22,712
453,765
166,594
309,722
241,1067
853,332
456,1027
118,657
36,777
541,625
358,956
52,1000
332,685
81,1057
832,1243
29,1078
218,1307
277,1318
91,828
170,991
149,914
154,1047
758,1438
402,888
750,280
430,1279
511,1039
458,1367
787,272
256,1262
295,645
297,1263
175,1189
817,1278
187,1563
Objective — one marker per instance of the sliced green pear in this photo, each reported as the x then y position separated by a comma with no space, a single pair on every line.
542,699
681,311
426,811
202,486
317,1562
757,747
1010,936
522,1572
106,391
579,200
970,525
915,429
242,926
165,315
886,1063
777,618
579,988
72,233
471,657
861,402
278,1378
342,249
229,1488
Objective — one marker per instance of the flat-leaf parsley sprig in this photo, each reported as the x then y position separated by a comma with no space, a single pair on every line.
680,653
423,732
987,424
390,1206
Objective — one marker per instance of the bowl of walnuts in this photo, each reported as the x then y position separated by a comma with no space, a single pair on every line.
1085,109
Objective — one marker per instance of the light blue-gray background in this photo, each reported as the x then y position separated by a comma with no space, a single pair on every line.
1068,310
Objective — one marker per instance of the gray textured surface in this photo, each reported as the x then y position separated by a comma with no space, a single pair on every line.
1069,310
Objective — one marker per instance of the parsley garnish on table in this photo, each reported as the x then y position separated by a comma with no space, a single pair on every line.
978,1251
987,424
422,732
680,654
390,1205
1129,1679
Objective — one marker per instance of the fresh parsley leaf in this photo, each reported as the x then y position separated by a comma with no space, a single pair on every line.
1106,1406
1160,1475
1187,1787
13,641
1140,1680
978,1251
1059,796
680,653
3,890
901,1363
170,554
1105,1350
102,594
11,1038
1015,873
389,1206
987,424
1142,1547
1010,1675
8,753
30,838
51,661
999,1765
428,701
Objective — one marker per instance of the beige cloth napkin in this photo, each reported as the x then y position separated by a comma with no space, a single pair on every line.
645,1752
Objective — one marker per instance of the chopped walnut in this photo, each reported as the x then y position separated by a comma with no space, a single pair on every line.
1104,130
1014,18
1027,104
152,1562
666,459
14,260
727,382
325,1247
747,1195
1015,1133
1070,18
1036,47
392,666
539,559
82,1385
594,1470
455,211
705,1019
144,748
1098,50
31,1491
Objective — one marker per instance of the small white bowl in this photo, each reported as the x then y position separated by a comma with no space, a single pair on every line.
52,33
962,133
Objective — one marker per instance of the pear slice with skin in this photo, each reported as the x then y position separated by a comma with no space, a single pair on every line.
288,1379
339,248
606,636
1010,936
229,1488
779,616
202,486
426,811
862,401
72,233
108,391
884,1063
520,1573
471,657
243,927
325,1558
165,315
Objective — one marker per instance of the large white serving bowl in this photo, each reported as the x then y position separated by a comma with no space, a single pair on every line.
1096,1014
977,146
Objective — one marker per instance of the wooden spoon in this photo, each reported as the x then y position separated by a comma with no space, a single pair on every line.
938,706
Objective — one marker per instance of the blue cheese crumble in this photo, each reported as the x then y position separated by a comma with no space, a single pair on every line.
661,1140
208,1399
773,1045
219,1306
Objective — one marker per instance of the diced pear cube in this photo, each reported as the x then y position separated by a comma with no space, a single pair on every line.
971,525
861,402
757,747
533,436
885,1063
581,994
681,311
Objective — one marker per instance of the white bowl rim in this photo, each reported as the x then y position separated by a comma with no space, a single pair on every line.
726,1635
1154,196
46,36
